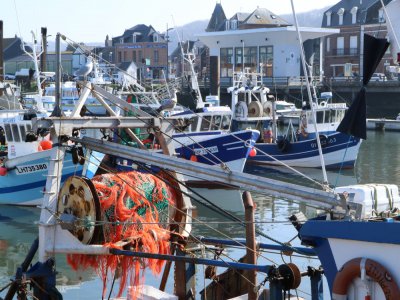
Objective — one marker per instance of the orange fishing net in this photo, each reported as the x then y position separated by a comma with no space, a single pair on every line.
132,205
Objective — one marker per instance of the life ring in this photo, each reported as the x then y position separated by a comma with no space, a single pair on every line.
373,269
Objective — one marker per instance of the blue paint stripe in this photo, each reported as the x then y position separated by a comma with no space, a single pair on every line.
34,185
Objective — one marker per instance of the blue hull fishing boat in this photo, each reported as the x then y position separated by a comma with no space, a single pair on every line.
23,180
295,146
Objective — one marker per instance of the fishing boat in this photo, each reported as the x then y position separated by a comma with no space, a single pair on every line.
26,152
204,134
296,147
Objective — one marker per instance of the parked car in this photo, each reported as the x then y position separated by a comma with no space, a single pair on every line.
9,77
378,77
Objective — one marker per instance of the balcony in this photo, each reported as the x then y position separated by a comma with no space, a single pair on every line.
343,52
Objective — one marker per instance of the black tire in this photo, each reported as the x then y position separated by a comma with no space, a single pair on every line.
283,144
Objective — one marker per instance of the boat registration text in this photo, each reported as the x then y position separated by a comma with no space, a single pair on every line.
30,168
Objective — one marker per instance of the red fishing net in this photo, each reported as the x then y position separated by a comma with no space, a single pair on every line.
133,206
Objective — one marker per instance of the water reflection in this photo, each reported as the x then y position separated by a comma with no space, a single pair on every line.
18,230
379,161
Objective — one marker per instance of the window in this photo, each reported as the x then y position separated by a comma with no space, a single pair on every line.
216,122
156,56
226,122
119,56
9,137
226,62
354,15
328,18
125,59
134,56
155,38
340,45
140,56
234,24
266,60
205,123
238,58
23,131
250,58
227,25
121,40
353,45
328,44
133,38
381,16
341,13
15,132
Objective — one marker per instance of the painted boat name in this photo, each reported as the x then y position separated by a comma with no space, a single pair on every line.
31,168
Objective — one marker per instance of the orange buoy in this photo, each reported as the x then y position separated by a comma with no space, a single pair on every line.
3,171
46,145
253,152
193,158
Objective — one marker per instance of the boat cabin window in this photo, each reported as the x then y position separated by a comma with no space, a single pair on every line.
320,117
328,116
70,94
216,122
15,132
194,124
205,123
23,132
226,122
7,129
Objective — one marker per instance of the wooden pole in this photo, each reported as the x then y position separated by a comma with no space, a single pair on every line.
251,256
43,58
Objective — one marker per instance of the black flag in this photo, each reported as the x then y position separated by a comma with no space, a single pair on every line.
354,122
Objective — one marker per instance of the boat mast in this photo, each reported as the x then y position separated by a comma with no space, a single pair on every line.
57,107
303,60
34,57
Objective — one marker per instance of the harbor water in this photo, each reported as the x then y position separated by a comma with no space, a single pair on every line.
378,162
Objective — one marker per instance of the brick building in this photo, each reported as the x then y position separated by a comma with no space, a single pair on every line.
343,52
144,46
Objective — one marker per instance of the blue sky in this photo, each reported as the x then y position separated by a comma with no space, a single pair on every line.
91,20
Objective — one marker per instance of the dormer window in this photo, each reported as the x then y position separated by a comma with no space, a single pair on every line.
121,40
133,38
155,38
381,16
340,14
273,17
328,18
354,15
258,17
233,24
227,25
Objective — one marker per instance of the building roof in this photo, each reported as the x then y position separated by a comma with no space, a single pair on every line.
12,48
259,18
218,18
142,32
367,12
265,18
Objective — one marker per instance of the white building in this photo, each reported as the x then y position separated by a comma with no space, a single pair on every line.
261,42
